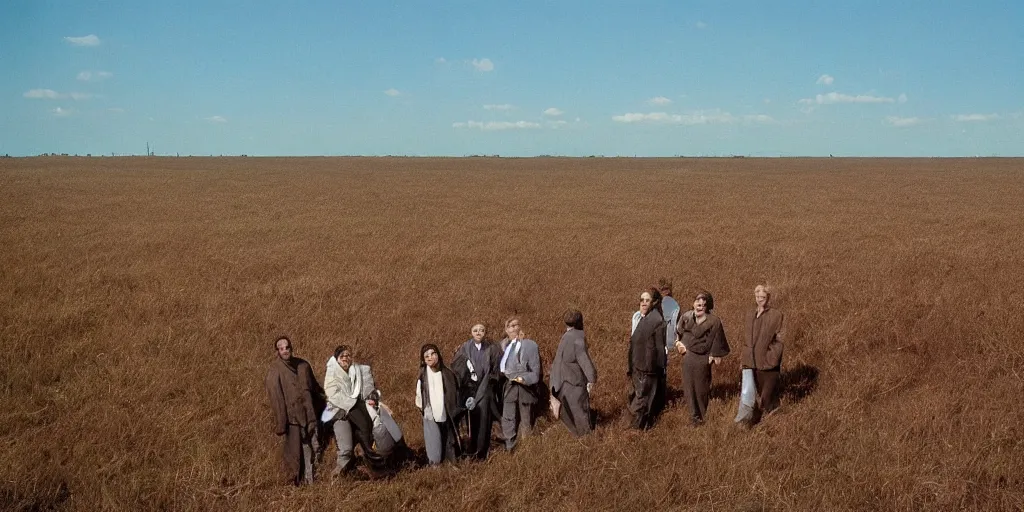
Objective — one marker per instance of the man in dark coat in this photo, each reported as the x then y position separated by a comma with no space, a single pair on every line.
293,394
476,366
646,359
573,376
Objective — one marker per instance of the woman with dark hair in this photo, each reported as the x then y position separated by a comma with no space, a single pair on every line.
355,412
646,359
437,398
573,376
700,337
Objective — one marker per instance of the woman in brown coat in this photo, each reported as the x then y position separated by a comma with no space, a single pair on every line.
762,348
700,337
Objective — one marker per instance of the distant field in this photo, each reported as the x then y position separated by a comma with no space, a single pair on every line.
139,298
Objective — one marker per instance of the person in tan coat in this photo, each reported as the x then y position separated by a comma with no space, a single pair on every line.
292,387
762,348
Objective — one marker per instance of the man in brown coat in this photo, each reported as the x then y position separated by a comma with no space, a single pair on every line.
762,349
291,386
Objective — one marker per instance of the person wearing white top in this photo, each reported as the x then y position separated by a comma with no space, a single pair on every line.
353,402
437,398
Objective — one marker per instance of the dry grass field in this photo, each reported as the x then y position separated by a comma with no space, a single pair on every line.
139,300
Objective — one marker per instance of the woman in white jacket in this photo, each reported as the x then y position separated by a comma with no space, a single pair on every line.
353,405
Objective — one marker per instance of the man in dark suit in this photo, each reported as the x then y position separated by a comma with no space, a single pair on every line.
476,366
573,376
520,364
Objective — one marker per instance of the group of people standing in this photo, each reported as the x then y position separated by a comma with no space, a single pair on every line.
699,336
490,381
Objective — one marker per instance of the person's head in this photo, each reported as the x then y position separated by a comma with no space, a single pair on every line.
573,318
512,328
344,356
479,331
665,287
283,346
650,299
762,294
703,302
430,356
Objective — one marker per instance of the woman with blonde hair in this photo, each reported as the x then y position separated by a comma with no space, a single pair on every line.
762,356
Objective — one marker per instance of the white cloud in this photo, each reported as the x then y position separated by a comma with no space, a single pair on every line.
838,97
975,118
759,119
89,40
553,112
50,94
483,64
496,125
217,119
659,101
503,107
558,123
694,118
902,98
825,80
902,121
37,94
701,25
61,112
393,92
440,60
94,76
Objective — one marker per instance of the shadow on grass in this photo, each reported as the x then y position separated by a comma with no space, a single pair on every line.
798,382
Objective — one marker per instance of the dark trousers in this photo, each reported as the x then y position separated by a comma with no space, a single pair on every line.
641,399
362,433
660,395
697,385
768,388
480,421
575,410
300,446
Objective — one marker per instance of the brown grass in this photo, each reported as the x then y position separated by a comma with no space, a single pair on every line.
139,298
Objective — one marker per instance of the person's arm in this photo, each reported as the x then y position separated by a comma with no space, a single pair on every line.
775,346
459,367
719,345
419,395
660,349
368,383
583,358
273,385
532,375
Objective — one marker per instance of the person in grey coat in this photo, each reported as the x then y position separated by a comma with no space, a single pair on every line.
520,365
573,376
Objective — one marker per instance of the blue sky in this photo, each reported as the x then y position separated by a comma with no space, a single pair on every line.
866,78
